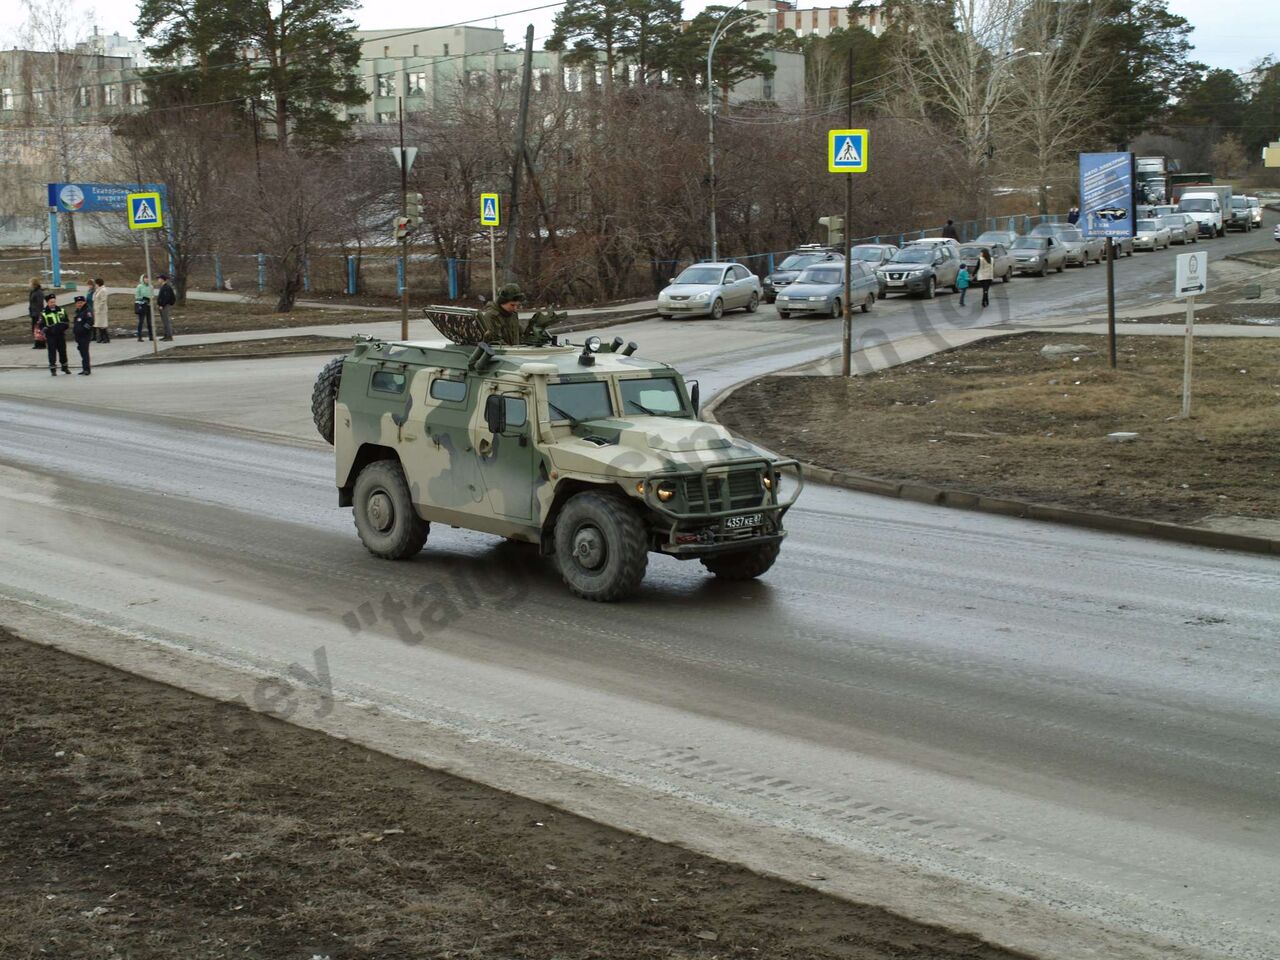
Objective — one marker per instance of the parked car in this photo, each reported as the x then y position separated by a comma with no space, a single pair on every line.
1123,245
1078,248
873,254
1157,211
1183,228
1038,255
1152,235
1255,211
1276,233
1001,259
1003,237
932,242
709,289
920,268
820,289
791,266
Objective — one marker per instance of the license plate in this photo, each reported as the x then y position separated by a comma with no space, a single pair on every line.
895,283
743,522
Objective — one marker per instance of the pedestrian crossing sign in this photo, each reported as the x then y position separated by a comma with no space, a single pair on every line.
144,211
847,151
489,210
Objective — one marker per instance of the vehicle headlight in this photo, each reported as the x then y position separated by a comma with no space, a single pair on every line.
771,482
701,296
666,490
818,298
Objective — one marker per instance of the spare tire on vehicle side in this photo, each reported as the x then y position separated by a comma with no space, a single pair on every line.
323,396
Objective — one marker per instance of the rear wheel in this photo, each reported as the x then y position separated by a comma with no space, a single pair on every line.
601,547
754,303
1008,275
386,520
743,564
868,303
1062,266
717,309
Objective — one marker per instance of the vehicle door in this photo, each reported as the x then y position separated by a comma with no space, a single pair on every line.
1000,259
438,451
945,265
500,429
743,284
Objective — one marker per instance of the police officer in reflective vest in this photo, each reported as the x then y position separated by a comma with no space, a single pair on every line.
54,324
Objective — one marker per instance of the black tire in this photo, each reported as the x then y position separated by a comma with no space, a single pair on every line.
386,520
1062,266
601,547
323,396
837,309
717,309
754,303
743,564
868,303
784,314
1008,275
1044,271
929,292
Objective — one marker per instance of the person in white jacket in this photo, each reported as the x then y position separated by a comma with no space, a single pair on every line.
986,273
101,321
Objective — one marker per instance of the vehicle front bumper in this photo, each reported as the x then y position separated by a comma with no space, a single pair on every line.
1080,256
1144,243
804,305
917,283
1031,266
685,308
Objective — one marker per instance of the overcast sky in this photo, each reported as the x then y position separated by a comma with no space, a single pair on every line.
1228,33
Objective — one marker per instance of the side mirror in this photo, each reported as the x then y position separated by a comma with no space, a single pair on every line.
695,394
495,414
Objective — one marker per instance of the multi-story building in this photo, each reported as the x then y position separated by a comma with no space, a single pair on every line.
41,87
815,21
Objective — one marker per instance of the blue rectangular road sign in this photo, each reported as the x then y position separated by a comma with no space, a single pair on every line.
1106,195
96,197
847,151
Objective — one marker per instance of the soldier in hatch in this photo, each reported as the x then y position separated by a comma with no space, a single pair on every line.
500,321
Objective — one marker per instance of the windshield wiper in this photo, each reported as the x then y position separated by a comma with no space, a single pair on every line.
573,421
642,407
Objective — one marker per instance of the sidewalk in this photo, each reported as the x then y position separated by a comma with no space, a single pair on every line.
19,357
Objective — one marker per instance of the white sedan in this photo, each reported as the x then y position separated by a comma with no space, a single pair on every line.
1151,235
709,289
1276,233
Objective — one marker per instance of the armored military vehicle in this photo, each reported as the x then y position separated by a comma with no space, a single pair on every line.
587,451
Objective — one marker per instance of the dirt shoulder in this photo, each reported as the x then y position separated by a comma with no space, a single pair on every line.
141,821
247,349
999,419
1249,314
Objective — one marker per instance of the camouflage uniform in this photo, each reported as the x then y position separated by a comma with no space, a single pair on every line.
501,326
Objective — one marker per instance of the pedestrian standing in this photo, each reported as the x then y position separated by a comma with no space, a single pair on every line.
950,230
142,306
53,321
101,317
986,273
88,299
165,299
35,307
962,282
1073,215
82,330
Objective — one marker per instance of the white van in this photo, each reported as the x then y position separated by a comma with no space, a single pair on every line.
1206,209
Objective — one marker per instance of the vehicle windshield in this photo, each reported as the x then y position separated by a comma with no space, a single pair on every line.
701,275
579,401
1239,203
822,274
1148,226
1031,243
1052,230
797,260
971,251
1196,205
1173,220
656,397
868,253
914,255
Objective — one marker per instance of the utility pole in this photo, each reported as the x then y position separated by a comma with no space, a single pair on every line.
404,241
513,218
846,340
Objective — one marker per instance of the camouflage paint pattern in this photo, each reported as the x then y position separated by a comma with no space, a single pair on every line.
459,472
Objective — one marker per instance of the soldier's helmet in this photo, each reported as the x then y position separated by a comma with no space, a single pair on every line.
509,292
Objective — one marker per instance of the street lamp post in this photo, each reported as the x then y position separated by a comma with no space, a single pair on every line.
721,28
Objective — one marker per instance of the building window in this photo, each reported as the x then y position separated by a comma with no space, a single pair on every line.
417,84
386,50
112,94
572,81
767,92
386,118
476,78
544,79
137,95
415,50
38,97
506,78
6,99
446,49
82,97
386,84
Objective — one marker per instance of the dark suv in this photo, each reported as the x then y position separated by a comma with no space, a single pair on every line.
790,268
920,268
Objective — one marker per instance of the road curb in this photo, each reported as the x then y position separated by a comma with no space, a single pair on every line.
970,500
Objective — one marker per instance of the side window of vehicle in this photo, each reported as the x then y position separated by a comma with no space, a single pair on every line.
740,272
387,381
452,391
517,411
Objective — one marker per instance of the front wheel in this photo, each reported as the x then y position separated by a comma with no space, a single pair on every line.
600,547
1062,266
928,290
754,303
837,308
717,309
784,314
743,564
386,520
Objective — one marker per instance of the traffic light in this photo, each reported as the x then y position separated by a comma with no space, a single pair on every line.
402,227
413,208
835,229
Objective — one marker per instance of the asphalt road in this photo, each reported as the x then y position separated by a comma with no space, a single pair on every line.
1066,740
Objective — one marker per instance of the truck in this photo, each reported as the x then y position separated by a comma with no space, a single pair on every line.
1209,206
594,456
1151,174
1179,182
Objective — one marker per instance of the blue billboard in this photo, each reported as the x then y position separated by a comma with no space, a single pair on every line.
1106,195
96,197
